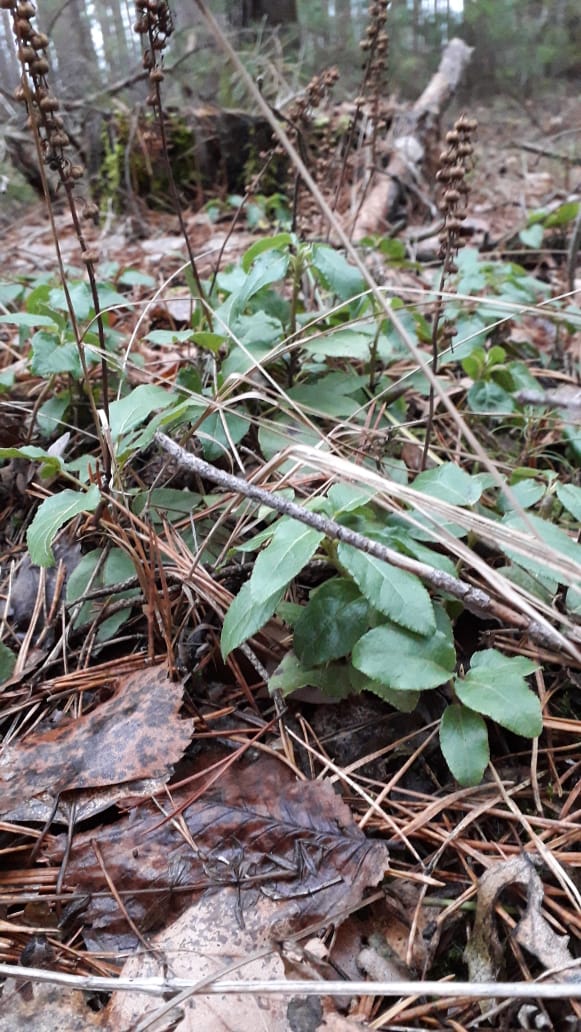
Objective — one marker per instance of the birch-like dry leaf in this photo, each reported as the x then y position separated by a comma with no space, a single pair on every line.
134,734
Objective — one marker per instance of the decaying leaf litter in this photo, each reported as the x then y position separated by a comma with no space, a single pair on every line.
154,804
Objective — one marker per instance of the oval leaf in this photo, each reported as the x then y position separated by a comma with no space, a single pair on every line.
464,744
395,593
291,547
52,515
245,617
404,661
495,686
450,484
334,619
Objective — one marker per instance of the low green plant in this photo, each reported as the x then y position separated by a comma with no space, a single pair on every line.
298,316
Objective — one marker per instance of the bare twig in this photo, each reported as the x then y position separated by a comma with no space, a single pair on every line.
475,599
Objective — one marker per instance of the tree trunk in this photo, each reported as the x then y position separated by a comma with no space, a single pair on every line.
275,12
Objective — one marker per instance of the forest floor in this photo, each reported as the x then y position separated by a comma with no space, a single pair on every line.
184,827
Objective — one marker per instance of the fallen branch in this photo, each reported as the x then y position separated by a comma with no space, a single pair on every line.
474,599
411,134
160,986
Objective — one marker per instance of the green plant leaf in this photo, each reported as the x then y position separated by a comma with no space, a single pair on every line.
245,617
51,413
405,702
348,343
336,273
49,356
464,744
275,243
333,620
28,319
562,215
165,338
397,594
51,515
450,484
50,465
570,498
404,661
91,571
7,662
80,298
495,686
291,675
291,547
487,397
215,441
127,413
268,268
532,236
553,536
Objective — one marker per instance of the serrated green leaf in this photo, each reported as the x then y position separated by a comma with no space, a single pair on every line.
397,594
449,483
495,686
464,744
51,515
127,413
291,548
245,617
7,662
336,273
404,661
333,620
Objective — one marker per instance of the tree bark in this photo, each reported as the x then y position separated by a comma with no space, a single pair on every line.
411,134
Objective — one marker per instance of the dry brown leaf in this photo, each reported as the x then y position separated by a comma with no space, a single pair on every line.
484,951
134,734
256,830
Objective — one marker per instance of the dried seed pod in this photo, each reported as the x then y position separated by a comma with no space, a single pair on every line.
90,257
25,10
23,28
39,41
26,54
48,104
156,75
90,211
77,171
40,66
